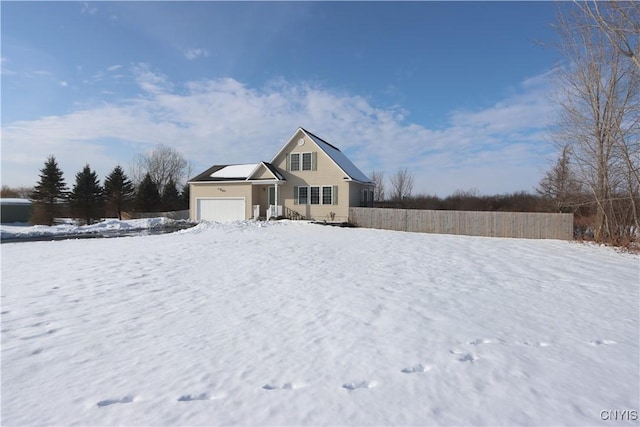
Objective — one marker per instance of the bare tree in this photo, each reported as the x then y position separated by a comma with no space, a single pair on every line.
598,95
560,184
16,192
401,184
378,180
163,164
619,21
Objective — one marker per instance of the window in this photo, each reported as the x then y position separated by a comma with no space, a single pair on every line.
366,201
303,195
302,161
306,161
295,161
327,198
315,195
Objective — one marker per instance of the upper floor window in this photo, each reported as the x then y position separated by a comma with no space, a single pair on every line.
306,161
302,161
294,161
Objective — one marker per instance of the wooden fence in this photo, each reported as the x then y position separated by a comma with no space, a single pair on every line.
526,225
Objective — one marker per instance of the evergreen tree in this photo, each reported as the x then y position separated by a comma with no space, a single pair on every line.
118,192
148,196
86,197
184,197
50,190
170,196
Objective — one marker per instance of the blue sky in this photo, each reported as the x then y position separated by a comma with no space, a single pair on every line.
459,93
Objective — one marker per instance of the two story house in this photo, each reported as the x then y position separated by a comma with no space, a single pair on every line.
308,178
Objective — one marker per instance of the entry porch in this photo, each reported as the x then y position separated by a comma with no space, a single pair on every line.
267,201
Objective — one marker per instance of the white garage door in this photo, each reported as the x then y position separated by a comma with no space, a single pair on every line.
227,209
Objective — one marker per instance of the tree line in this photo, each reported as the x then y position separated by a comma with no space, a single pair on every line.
397,192
596,132
159,174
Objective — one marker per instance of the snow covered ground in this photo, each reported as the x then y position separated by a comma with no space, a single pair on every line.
290,323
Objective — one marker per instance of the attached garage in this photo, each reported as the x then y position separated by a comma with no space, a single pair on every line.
220,209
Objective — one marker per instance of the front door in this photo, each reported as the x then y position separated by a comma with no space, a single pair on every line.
271,200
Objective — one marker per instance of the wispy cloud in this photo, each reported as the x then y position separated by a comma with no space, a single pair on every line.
39,73
151,81
225,121
3,67
103,75
88,9
195,53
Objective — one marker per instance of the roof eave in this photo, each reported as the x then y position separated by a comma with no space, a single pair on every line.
240,181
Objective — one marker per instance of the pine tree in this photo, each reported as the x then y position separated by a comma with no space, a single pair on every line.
86,196
148,196
118,192
184,197
50,190
170,196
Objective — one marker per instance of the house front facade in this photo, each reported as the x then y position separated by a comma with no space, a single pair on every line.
307,179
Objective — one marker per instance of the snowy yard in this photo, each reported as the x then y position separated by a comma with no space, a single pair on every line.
290,323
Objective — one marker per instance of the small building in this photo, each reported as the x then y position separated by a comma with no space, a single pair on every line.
307,178
15,210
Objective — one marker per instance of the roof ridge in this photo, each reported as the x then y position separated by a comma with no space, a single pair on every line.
316,136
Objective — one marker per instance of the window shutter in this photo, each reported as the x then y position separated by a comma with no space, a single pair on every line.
295,192
334,194
314,161
288,163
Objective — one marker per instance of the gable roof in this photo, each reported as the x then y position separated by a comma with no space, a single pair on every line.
241,172
272,169
334,154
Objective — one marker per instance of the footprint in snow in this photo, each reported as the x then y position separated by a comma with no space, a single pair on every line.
127,399
483,341
271,386
192,397
359,384
36,351
417,368
536,343
464,356
602,342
